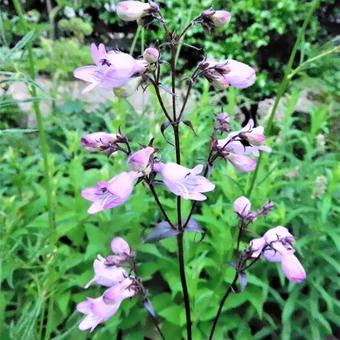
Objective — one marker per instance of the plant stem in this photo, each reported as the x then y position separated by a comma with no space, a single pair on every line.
311,60
184,284
41,129
153,191
224,298
160,100
135,38
179,207
283,86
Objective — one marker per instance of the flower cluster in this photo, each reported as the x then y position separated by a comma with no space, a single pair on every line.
238,146
242,207
123,74
276,245
108,272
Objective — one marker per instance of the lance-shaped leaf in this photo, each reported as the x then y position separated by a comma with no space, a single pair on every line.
194,226
148,306
166,89
243,280
189,124
160,231
164,126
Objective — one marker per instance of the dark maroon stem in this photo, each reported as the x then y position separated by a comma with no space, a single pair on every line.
224,298
159,204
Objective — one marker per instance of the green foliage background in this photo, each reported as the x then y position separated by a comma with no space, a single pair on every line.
42,280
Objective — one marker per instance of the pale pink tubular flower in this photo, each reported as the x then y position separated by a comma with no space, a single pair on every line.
100,141
132,10
106,195
235,153
241,162
276,245
242,206
229,73
120,291
255,136
184,182
105,275
151,55
292,268
104,307
96,312
140,160
240,75
112,69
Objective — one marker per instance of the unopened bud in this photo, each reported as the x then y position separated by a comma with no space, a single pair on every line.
132,10
242,206
100,141
222,122
151,55
220,18
211,19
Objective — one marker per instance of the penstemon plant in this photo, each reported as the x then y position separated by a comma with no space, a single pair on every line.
124,74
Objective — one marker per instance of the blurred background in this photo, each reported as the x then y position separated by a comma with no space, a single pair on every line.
48,241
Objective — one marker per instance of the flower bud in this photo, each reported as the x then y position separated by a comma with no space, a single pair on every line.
222,122
120,247
220,18
292,268
242,206
151,55
132,10
140,159
100,141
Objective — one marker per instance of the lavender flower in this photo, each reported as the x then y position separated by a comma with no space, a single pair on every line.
105,275
101,141
132,10
112,69
239,145
216,18
106,195
140,160
292,268
104,307
184,182
229,73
